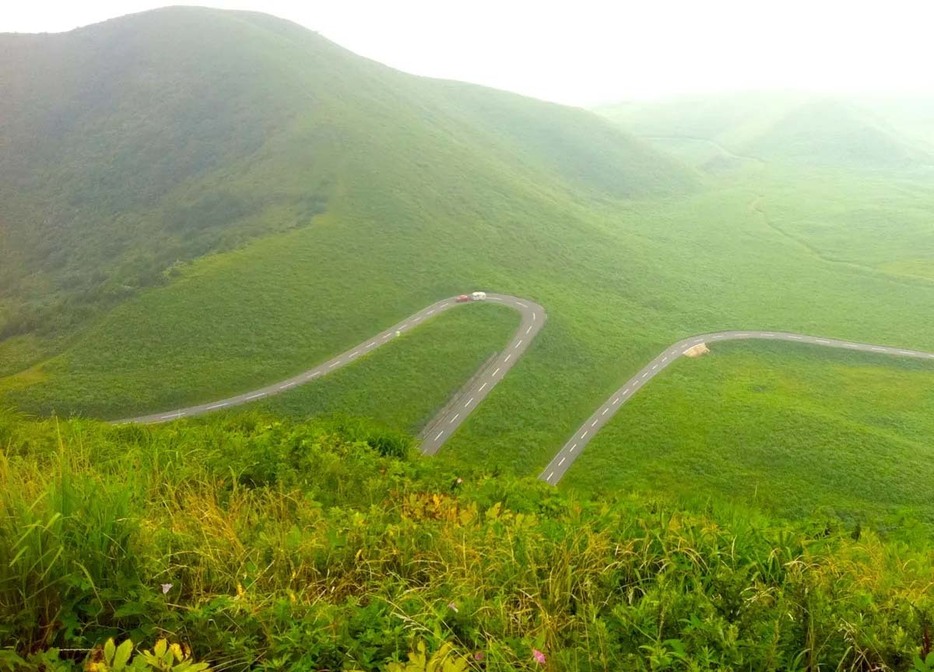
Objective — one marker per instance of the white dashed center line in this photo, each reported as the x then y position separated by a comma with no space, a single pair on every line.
255,396
497,371
507,358
481,387
562,461
456,416
440,434
469,402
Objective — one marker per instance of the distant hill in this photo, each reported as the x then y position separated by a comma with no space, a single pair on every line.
787,128
143,142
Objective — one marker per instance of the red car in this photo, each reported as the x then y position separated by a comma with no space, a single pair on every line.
463,298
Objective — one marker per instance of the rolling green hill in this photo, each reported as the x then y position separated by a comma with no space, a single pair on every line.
138,144
367,194
786,128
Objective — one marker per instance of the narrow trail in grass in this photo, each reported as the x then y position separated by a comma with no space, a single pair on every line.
449,418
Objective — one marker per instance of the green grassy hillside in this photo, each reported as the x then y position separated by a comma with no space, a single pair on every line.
433,188
794,430
141,143
269,545
786,128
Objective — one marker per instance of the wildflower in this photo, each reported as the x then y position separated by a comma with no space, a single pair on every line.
166,587
479,655
453,607
538,656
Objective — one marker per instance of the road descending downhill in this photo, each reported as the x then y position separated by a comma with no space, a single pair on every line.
446,422
565,457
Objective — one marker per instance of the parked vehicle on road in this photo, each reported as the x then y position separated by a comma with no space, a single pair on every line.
478,296
463,298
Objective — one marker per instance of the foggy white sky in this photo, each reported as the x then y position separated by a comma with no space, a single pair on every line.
585,52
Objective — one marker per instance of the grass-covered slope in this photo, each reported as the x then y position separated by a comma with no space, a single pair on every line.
145,141
833,133
431,199
793,430
619,286
269,545
786,128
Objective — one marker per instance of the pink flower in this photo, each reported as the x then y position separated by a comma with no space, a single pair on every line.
479,655
538,656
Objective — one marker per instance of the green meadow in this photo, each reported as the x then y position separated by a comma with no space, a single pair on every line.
634,277
794,430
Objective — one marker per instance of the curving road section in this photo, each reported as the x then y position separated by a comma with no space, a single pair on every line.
450,417
565,457
446,422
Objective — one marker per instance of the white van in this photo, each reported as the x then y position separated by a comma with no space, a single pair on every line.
478,296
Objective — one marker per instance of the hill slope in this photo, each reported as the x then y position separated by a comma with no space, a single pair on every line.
162,136
425,195
283,545
788,128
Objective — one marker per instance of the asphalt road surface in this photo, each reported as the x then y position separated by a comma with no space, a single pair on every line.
448,419
467,399
576,444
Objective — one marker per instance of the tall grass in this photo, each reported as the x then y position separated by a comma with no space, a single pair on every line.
301,546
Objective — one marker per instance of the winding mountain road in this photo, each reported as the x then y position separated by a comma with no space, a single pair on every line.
446,422
565,457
